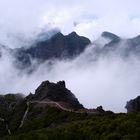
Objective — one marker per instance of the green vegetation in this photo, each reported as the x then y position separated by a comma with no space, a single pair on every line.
60,125
16,116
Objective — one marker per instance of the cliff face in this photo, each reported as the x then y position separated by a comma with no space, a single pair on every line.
133,105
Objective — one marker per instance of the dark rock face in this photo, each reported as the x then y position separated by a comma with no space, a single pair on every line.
133,105
56,92
58,46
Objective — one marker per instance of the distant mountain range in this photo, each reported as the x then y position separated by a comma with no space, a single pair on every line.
59,46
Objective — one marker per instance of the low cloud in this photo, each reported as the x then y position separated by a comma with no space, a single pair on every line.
109,81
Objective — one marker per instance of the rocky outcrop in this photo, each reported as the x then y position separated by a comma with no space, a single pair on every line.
133,105
56,92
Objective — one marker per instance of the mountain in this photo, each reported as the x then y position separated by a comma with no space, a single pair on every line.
55,45
58,46
120,46
114,39
58,92
50,106
109,35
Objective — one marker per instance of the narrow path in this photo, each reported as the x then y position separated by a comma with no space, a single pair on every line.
50,103
24,116
61,107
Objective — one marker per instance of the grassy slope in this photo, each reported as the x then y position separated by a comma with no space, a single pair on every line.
59,125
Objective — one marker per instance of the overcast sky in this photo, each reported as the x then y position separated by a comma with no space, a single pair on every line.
87,17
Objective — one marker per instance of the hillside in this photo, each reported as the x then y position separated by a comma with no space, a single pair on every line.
54,112
18,113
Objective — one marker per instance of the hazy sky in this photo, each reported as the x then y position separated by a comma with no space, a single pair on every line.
87,17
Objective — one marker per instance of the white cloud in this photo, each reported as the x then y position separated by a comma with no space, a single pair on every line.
93,16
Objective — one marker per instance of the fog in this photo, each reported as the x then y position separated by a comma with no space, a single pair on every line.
108,80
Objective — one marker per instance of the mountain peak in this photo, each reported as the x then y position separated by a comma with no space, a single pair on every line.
73,34
56,92
109,35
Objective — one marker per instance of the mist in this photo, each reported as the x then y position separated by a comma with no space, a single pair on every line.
107,80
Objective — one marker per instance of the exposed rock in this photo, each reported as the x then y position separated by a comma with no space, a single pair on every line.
100,109
133,105
56,92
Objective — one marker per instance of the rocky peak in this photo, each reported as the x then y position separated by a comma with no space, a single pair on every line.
59,46
109,35
73,34
61,84
56,92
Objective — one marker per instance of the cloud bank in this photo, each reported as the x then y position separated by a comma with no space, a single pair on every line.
109,81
